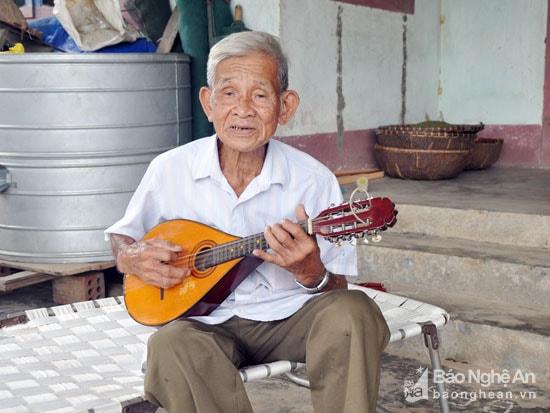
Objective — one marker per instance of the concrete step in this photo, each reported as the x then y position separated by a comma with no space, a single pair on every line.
498,205
496,295
488,335
514,190
478,246
480,270
514,228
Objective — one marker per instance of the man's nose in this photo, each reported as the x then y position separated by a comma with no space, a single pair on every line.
244,106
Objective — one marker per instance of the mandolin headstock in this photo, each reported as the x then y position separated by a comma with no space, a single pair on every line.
356,219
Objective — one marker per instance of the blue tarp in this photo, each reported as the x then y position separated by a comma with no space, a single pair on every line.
55,35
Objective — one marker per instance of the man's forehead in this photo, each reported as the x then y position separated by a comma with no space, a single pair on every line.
230,79
264,78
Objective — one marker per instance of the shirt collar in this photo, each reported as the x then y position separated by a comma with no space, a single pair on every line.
207,163
274,170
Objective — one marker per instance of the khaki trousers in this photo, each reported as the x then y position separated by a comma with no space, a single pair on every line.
193,367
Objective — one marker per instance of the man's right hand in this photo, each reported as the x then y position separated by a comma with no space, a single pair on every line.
150,260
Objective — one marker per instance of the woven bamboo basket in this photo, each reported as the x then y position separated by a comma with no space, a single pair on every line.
485,152
421,164
415,140
428,135
448,129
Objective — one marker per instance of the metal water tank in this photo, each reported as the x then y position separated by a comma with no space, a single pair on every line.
77,132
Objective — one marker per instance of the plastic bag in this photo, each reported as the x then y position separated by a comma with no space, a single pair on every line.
94,24
55,35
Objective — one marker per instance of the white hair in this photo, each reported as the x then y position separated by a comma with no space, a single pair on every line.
244,44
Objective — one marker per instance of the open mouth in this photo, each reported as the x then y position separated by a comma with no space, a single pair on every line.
241,129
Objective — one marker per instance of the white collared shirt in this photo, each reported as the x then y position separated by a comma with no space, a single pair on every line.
187,183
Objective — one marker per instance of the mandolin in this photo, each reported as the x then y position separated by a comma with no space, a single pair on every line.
219,261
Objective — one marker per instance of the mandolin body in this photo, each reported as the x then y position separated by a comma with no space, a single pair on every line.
196,295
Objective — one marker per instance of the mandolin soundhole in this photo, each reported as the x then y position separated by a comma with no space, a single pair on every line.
203,265
204,260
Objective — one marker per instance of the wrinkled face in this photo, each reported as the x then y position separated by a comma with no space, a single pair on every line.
245,104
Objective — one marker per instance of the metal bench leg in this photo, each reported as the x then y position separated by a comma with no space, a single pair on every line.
432,342
297,380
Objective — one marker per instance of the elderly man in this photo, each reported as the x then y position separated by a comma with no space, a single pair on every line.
295,305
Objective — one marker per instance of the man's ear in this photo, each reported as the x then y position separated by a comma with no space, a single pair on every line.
289,104
204,96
